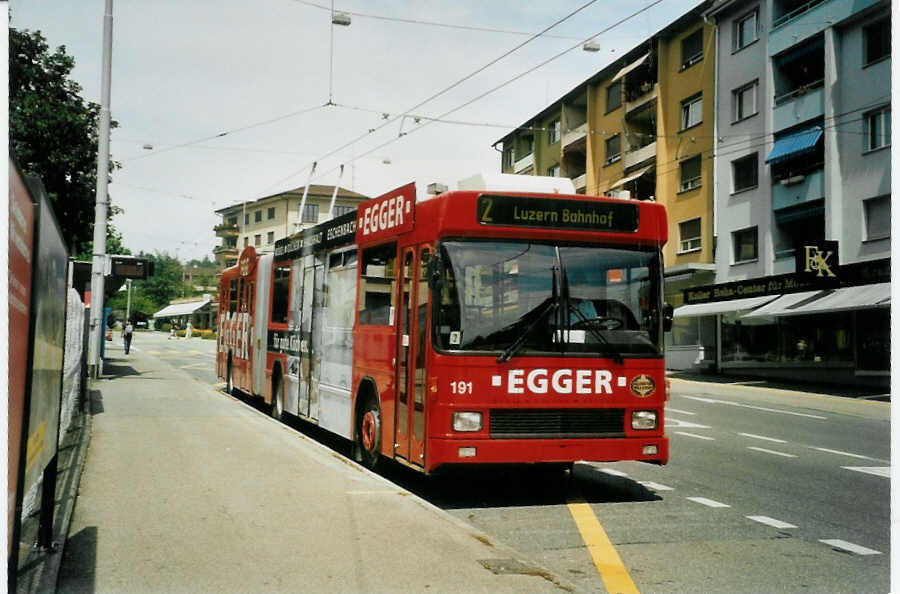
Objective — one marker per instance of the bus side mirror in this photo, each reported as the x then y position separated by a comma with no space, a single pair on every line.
668,316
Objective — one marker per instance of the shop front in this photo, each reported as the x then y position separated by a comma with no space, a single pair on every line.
800,327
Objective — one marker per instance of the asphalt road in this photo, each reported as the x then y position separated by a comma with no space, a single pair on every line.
766,491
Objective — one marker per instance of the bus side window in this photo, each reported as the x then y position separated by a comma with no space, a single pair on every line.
377,285
233,296
280,293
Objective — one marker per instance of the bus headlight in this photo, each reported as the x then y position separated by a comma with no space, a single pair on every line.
642,420
467,421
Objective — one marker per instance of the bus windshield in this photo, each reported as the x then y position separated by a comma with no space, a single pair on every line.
536,298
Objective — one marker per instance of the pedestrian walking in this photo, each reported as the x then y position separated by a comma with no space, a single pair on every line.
128,334
187,330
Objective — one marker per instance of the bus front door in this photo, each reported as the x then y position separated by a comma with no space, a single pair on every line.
412,336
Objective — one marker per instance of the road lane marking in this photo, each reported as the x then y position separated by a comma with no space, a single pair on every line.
840,453
762,408
849,546
194,365
607,561
773,452
771,522
695,435
613,472
884,471
679,412
655,486
707,502
763,437
673,423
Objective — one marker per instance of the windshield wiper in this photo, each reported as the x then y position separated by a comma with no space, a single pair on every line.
551,305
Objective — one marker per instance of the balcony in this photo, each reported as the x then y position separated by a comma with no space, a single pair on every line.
580,182
524,163
575,139
640,155
798,190
800,105
225,250
794,21
226,230
634,102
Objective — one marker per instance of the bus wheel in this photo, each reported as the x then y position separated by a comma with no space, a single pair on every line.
277,408
229,377
368,434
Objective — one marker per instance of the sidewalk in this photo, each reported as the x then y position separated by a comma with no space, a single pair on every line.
186,489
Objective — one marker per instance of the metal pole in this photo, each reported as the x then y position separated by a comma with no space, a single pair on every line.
305,193
128,301
102,200
334,194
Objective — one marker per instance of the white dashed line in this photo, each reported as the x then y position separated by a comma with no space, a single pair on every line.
679,412
840,453
762,437
884,471
771,522
695,435
673,423
612,472
707,502
655,486
849,546
762,408
773,452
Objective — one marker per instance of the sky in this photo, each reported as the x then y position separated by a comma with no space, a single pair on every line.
238,99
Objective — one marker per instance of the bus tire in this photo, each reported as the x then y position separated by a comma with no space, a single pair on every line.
277,407
229,376
367,446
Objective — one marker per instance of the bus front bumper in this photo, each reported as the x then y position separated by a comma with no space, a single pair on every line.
531,451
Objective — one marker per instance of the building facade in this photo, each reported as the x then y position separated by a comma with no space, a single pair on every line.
802,184
264,221
641,128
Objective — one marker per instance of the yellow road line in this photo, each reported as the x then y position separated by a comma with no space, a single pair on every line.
612,571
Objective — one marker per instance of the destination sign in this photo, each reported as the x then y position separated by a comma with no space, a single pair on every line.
580,215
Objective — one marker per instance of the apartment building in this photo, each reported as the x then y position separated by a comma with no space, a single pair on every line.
262,222
802,194
641,128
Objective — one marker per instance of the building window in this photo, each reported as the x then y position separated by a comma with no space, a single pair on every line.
744,101
257,216
878,217
554,132
246,219
690,173
553,171
692,49
257,239
614,95
689,233
745,30
246,241
507,158
232,221
878,128
692,111
744,243
270,238
744,173
311,213
342,210
877,40
270,214
613,149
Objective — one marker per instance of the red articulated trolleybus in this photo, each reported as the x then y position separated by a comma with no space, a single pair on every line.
475,327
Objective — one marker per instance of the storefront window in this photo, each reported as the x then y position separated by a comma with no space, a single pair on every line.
873,339
815,339
749,339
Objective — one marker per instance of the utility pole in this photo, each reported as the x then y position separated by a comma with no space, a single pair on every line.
98,265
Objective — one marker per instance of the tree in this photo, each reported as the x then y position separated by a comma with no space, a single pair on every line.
53,133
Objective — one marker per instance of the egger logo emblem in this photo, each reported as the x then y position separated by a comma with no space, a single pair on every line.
643,385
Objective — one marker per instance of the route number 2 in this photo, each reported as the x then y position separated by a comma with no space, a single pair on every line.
461,387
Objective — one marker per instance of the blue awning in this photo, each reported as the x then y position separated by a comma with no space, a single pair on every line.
795,144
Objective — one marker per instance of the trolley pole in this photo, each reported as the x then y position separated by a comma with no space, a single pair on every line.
98,264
